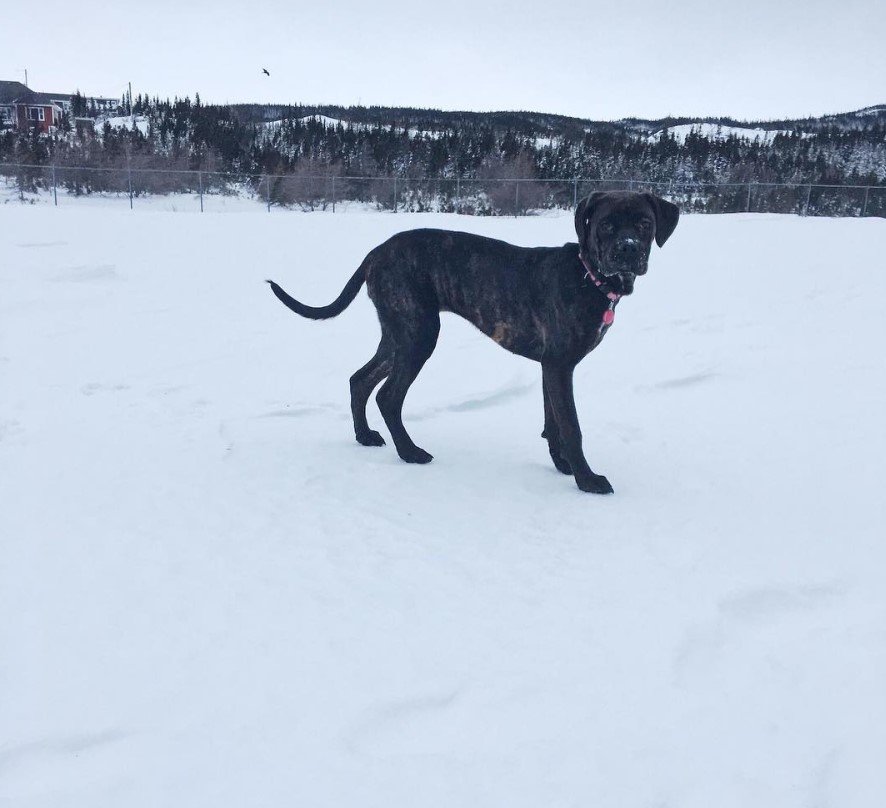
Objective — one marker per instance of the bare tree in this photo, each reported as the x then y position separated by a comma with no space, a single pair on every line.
507,193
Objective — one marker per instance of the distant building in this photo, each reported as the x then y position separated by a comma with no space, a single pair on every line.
10,91
23,108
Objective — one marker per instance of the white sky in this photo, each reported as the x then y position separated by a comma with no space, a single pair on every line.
605,60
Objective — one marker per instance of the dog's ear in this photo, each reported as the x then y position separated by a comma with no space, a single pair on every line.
666,216
583,213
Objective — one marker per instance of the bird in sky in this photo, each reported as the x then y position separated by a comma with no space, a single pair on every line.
265,71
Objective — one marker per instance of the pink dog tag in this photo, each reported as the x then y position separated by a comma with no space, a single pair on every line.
608,317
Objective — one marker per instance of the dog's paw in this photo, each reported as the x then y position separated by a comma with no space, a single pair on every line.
416,455
371,438
595,484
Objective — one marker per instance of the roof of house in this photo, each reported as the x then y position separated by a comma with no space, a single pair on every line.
44,98
11,90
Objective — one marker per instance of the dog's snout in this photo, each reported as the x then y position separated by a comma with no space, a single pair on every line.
627,248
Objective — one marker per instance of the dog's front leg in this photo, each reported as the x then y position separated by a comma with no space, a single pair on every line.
557,382
551,434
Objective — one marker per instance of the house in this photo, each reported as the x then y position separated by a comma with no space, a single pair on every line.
10,91
23,108
41,110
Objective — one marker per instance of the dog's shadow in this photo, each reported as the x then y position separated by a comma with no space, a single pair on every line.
513,390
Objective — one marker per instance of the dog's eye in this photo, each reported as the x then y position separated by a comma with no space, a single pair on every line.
607,228
644,225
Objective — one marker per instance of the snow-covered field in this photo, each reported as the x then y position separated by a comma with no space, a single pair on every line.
210,595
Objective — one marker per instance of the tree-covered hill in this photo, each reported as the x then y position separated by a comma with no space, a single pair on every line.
247,140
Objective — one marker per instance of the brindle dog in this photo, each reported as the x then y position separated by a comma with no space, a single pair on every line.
550,304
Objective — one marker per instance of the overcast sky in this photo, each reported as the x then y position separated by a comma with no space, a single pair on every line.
604,60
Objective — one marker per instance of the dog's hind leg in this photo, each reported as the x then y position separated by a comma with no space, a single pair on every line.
552,434
414,345
363,382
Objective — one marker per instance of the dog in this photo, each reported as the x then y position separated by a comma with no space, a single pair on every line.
553,305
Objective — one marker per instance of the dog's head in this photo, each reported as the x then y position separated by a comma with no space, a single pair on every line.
615,232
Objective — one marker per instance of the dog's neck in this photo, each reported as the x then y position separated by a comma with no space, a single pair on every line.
594,278
608,317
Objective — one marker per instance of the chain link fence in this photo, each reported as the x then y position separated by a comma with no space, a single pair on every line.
208,190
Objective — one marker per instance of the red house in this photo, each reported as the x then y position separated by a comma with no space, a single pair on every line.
10,92
23,108
41,110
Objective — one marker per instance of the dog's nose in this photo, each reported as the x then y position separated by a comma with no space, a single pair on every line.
627,248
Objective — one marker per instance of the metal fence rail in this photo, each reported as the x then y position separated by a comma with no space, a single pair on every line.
471,195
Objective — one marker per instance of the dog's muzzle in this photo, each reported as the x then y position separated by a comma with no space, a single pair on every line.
625,260
627,255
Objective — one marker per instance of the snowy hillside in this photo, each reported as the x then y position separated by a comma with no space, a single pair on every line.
713,131
447,148
135,122
210,595
326,122
323,120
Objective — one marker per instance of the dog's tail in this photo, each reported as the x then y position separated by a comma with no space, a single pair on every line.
324,312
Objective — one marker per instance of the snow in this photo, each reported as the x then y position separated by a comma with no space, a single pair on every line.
713,131
870,111
321,119
327,122
133,122
210,595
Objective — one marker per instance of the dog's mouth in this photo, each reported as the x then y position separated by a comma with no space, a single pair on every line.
621,282
620,275
617,275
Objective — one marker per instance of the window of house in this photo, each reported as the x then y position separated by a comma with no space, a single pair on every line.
36,114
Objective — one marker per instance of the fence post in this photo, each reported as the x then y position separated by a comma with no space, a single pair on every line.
333,193
129,180
54,188
457,193
747,206
808,198
575,192
864,209
269,192
517,198
200,181
395,193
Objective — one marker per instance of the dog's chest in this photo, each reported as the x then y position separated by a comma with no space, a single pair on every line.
607,318
584,323
598,339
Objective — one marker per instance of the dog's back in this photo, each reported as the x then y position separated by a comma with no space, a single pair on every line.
494,285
